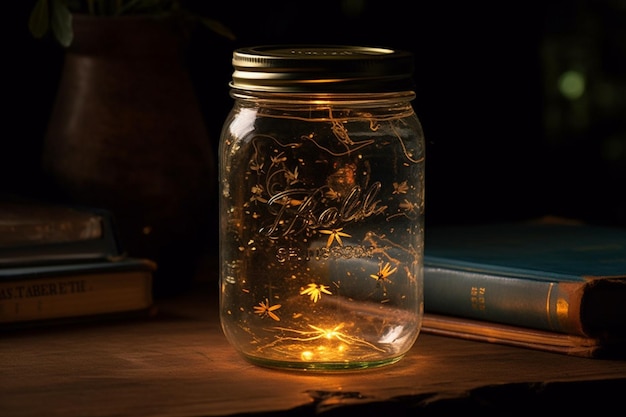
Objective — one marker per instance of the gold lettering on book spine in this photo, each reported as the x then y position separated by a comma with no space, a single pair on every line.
477,298
561,308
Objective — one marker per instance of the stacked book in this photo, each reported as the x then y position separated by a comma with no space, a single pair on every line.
553,286
60,263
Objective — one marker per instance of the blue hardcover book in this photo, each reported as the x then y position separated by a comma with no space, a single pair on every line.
563,278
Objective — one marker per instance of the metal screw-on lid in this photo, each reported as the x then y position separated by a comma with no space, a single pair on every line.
322,69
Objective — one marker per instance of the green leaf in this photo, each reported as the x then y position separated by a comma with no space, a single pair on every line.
218,28
38,20
61,23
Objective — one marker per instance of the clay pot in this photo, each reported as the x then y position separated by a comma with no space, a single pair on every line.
127,134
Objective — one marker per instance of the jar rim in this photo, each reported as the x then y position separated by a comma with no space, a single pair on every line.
322,68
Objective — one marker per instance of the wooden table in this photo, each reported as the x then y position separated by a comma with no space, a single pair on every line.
178,363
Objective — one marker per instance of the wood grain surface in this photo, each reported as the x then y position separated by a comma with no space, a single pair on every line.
180,364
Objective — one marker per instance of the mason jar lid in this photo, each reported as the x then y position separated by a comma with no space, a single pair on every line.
321,69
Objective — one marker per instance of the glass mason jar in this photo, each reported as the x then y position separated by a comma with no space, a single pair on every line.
321,164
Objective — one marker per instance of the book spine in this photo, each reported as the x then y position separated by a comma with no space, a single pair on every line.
23,224
32,234
521,302
74,295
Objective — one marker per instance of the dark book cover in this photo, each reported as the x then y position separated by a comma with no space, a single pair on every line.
36,232
568,278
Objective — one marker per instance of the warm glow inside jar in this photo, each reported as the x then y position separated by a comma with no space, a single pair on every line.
321,208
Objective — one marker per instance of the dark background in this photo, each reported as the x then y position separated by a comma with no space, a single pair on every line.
502,142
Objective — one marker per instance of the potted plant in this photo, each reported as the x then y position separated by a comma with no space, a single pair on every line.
126,131
56,15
